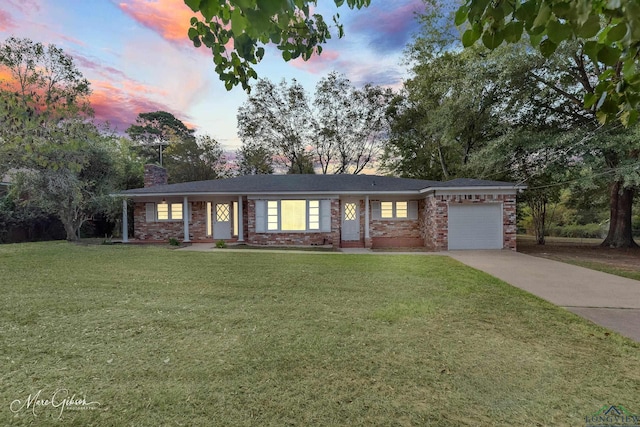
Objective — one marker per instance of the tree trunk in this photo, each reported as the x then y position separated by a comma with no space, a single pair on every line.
620,232
70,229
538,205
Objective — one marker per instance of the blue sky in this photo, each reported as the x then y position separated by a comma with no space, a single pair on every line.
138,58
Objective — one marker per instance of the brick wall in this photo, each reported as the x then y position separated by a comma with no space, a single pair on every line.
434,219
395,233
155,175
162,231
293,239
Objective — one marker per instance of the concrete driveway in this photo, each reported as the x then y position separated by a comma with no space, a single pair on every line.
605,299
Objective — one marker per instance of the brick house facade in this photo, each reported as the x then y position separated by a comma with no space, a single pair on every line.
394,213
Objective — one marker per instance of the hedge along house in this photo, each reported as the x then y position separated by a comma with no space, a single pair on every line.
338,210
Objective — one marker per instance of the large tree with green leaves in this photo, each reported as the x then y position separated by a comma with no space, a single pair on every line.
278,118
351,124
449,109
56,157
608,32
195,159
155,130
236,32
341,128
535,94
254,159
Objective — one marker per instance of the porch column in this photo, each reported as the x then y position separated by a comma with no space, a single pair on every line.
366,217
125,222
240,221
185,219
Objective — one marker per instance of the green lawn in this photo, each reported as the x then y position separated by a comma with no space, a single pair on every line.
605,268
161,337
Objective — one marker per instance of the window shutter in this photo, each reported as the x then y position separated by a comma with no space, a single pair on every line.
261,216
190,209
150,212
325,216
413,209
375,210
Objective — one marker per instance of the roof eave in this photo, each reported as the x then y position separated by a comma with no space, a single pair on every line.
476,188
269,193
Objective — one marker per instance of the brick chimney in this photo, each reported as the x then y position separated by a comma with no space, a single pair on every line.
155,175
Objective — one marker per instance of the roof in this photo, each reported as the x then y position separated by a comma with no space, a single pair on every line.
334,184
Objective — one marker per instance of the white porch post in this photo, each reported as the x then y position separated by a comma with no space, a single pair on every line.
240,221
366,217
125,222
185,219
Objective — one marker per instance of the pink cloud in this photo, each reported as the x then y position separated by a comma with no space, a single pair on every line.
388,27
121,105
169,18
317,63
6,21
101,69
25,6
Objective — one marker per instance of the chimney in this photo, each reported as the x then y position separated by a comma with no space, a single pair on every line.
155,175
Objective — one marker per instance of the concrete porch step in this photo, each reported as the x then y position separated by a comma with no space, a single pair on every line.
351,244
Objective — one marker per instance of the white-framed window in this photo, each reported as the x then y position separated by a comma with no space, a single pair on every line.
395,210
169,211
293,215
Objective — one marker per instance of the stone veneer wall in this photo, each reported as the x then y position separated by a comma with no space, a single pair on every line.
162,231
294,239
434,221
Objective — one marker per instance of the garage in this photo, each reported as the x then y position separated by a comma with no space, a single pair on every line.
475,226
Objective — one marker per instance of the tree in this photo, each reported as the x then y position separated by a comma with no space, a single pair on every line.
58,160
44,80
254,159
608,32
251,24
530,156
157,129
549,93
195,159
450,108
303,165
342,129
278,117
351,124
69,174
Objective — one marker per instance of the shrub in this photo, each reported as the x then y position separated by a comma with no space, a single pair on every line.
586,231
174,242
221,244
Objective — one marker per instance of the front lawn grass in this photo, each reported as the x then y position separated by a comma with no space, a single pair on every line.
162,337
605,268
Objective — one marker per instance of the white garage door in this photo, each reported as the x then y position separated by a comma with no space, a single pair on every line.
477,226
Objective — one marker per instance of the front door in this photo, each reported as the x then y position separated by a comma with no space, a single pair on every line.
222,221
350,221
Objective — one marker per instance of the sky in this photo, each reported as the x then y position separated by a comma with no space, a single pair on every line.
138,58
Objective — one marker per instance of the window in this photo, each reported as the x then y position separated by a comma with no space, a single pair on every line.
314,214
395,210
293,215
169,211
209,222
401,210
222,212
386,209
272,215
236,218
163,211
176,210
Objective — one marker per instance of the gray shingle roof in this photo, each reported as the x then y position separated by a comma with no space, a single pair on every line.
469,182
256,184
